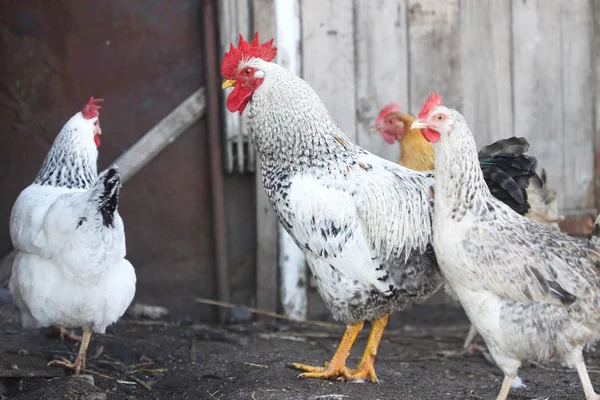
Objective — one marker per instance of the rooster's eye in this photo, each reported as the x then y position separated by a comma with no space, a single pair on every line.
440,117
248,71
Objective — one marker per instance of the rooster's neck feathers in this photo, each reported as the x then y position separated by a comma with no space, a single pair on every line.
297,132
71,162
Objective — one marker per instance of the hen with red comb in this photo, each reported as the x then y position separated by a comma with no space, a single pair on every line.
70,268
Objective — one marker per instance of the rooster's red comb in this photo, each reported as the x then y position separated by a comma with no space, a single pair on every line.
91,108
432,101
245,50
387,110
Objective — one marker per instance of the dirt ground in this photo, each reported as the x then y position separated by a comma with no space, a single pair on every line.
184,360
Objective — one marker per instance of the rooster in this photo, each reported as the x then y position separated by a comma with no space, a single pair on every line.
533,293
362,222
70,268
416,153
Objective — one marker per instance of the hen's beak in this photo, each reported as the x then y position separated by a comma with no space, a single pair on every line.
375,128
99,131
420,124
228,83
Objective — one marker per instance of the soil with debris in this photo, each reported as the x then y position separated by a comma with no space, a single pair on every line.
144,359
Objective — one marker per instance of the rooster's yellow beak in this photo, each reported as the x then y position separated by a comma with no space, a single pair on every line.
228,83
99,131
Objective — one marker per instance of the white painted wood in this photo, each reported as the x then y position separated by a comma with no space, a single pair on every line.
434,40
234,18
485,68
577,28
161,135
553,98
597,102
292,265
267,282
381,67
328,57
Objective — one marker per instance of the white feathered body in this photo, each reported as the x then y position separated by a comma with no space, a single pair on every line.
363,223
70,268
531,292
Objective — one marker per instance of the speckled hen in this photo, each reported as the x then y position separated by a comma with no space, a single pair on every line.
363,223
532,292
70,267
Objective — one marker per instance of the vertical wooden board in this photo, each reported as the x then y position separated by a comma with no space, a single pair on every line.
434,54
597,102
550,92
485,68
266,221
328,57
538,103
381,67
292,264
234,18
577,29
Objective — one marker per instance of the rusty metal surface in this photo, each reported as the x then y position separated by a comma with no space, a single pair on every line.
143,57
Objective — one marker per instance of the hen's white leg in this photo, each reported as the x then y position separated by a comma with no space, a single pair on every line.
585,381
506,384
470,336
79,364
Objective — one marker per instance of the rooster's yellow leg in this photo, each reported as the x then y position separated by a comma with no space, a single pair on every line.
366,368
79,364
63,333
336,368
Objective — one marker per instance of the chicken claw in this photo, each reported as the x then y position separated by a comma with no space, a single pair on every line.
336,368
340,372
79,365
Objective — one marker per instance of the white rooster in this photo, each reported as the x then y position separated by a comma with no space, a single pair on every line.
362,222
70,268
531,292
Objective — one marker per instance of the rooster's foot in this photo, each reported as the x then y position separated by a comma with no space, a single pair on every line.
330,371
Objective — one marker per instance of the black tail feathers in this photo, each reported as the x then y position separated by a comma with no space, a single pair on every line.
508,172
109,183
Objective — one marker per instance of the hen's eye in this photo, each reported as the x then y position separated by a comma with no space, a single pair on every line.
248,71
439,117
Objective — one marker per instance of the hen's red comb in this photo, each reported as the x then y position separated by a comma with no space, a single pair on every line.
387,110
432,101
91,108
265,51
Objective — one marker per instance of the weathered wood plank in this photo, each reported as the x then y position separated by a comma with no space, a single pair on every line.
234,18
266,221
577,28
434,40
538,99
485,68
551,83
292,264
161,135
328,57
381,67
597,102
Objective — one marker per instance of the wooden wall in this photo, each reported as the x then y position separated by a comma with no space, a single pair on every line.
512,67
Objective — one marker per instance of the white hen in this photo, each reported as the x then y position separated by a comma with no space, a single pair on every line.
70,267
531,292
